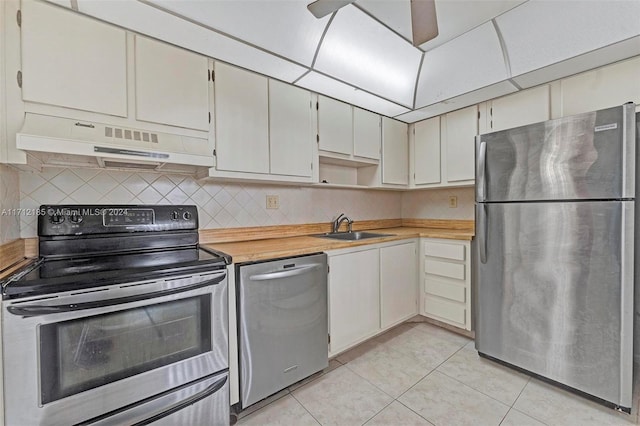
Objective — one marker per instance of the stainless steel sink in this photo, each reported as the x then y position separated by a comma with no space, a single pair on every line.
351,236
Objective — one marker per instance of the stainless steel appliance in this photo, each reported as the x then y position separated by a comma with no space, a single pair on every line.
283,324
555,250
122,320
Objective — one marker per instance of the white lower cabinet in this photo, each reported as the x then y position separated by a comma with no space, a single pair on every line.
446,281
371,288
354,298
398,277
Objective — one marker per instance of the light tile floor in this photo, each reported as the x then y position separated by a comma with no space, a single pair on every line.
420,374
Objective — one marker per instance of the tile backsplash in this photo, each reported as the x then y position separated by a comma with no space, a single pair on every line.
434,204
9,202
220,205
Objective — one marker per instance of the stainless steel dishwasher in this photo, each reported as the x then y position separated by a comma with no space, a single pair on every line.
283,324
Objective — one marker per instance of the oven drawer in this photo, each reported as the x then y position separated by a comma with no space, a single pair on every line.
200,403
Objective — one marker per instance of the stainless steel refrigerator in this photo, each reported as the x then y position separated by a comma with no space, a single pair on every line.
555,206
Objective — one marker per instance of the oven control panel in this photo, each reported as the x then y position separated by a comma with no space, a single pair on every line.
60,220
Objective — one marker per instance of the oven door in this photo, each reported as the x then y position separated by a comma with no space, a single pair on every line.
80,355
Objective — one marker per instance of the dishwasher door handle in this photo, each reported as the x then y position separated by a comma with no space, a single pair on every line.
292,272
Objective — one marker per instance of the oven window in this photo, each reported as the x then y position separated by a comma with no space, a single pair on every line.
85,353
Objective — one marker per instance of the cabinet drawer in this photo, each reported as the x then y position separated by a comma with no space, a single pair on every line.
443,289
445,309
445,269
448,251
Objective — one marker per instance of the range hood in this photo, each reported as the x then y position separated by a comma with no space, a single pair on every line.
56,141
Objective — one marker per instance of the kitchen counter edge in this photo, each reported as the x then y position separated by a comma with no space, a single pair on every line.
255,250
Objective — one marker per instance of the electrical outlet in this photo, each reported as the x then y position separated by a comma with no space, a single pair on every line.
453,202
273,202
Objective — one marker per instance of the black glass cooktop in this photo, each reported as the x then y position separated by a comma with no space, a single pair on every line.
52,276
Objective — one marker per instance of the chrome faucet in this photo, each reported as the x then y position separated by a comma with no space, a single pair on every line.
336,223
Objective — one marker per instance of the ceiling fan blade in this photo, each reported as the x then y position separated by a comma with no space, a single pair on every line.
320,8
424,24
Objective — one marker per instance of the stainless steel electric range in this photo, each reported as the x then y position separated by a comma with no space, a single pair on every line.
123,319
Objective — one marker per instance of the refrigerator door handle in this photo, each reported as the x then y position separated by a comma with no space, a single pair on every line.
482,168
482,232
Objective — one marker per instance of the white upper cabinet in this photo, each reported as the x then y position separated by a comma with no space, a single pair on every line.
335,126
395,152
265,129
349,144
602,88
461,128
290,130
72,61
444,149
426,158
241,120
519,109
171,85
366,134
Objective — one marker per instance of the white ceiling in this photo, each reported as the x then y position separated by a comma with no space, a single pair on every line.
455,17
362,54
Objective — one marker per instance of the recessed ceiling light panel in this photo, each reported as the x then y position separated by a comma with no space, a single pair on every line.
467,63
365,53
540,33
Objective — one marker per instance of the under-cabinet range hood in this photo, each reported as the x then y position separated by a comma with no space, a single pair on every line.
55,141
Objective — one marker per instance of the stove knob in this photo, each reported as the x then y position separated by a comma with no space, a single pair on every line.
56,219
175,215
187,216
75,218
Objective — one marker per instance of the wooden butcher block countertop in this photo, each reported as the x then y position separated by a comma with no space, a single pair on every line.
271,242
272,248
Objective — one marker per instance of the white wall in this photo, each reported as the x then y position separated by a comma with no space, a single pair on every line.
434,204
9,200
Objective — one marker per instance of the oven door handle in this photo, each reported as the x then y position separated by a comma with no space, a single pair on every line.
38,310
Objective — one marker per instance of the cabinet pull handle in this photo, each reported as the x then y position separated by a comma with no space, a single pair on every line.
91,126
